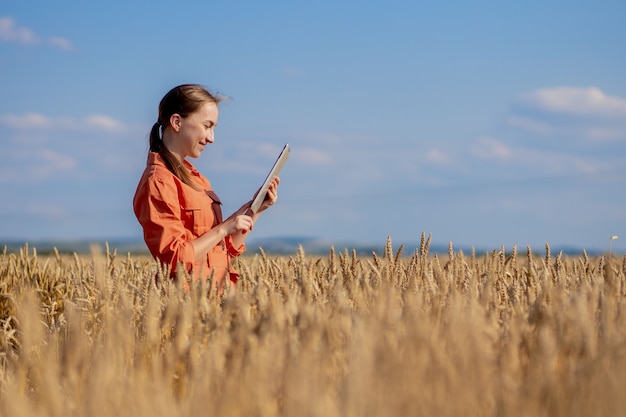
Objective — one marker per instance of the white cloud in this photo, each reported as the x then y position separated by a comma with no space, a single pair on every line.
62,43
27,121
28,164
104,122
606,133
590,101
38,121
311,156
56,161
10,31
597,130
571,112
266,149
558,163
438,157
490,148
531,125
535,162
255,153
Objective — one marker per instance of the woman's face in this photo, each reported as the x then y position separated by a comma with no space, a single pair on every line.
195,131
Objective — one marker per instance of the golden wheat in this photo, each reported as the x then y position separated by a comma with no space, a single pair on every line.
342,335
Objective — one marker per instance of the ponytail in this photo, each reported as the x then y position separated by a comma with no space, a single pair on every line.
172,163
156,144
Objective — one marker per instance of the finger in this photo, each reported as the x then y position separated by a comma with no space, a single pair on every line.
247,229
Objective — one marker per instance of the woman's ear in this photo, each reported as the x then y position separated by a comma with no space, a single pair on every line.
175,121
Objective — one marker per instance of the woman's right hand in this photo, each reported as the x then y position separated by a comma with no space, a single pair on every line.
239,223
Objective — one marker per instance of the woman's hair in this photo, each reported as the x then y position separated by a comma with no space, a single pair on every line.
183,100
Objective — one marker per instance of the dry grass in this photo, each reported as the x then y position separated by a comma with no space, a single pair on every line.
398,335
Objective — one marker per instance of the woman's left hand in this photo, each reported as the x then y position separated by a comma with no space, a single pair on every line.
272,195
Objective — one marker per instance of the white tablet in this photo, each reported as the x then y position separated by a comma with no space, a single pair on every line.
278,165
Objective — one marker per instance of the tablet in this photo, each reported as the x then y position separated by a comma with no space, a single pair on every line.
278,165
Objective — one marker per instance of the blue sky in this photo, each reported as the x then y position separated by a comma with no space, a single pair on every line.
483,123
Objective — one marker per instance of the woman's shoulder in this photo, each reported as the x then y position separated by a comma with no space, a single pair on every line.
156,174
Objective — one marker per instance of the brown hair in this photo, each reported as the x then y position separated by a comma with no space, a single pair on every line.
183,100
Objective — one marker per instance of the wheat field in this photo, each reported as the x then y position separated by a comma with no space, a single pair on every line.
401,334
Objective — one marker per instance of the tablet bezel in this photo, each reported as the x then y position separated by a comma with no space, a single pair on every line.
276,168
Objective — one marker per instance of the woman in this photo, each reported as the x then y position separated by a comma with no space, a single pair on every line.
176,205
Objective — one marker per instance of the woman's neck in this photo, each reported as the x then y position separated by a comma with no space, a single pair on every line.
170,145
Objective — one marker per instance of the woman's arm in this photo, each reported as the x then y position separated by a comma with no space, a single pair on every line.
159,213
235,225
272,195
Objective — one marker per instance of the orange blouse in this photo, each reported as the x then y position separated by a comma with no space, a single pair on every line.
173,214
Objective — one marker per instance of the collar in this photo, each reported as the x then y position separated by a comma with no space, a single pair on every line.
155,159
